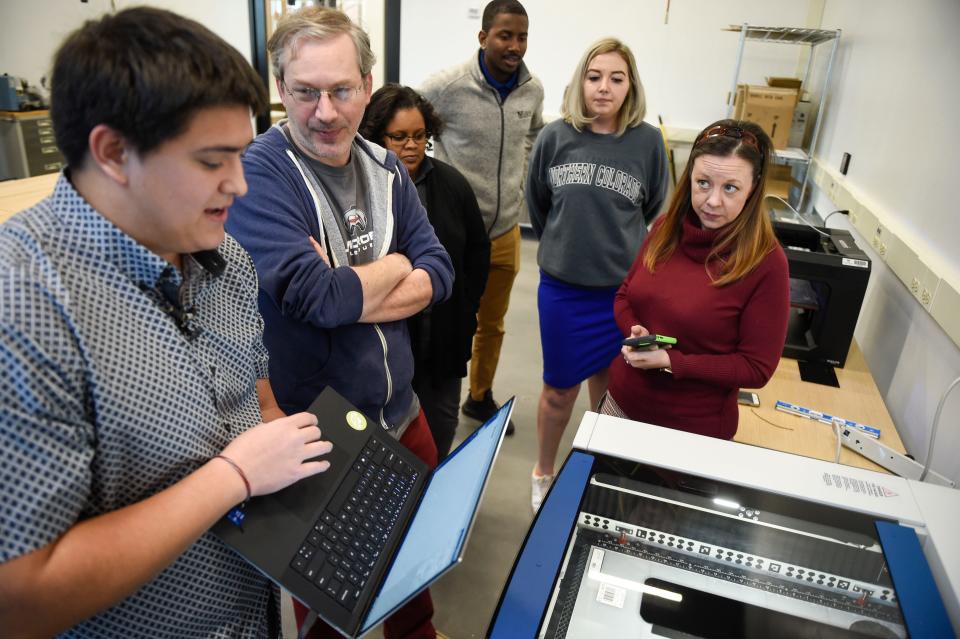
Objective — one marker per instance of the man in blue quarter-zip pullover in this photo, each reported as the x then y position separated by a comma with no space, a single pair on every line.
492,108
343,248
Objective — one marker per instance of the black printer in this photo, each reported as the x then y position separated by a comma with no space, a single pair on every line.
828,279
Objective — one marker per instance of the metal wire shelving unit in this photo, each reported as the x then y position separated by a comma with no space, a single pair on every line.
800,157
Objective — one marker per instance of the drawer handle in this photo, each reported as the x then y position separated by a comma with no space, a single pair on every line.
46,150
48,139
53,166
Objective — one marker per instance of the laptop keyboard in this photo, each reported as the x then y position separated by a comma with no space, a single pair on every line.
343,546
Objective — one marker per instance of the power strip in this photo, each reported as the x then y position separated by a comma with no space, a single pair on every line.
890,459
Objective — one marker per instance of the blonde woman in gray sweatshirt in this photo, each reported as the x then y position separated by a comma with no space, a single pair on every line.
597,178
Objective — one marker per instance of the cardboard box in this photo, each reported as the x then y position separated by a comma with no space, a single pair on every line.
779,180
769,107
789,83
779,183
784,83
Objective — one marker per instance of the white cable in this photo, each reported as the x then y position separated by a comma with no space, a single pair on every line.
935,427
836,430
797,214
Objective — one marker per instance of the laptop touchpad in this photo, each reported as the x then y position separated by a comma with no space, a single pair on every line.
302,497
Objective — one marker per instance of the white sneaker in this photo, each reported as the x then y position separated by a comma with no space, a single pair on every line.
539,487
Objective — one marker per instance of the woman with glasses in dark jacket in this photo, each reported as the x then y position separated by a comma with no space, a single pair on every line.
403,121
711,274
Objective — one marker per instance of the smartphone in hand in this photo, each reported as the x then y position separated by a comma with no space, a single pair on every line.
649,340
748,398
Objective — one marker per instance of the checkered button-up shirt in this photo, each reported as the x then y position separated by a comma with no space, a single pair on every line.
105,400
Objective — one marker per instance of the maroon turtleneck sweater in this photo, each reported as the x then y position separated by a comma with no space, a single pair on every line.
729,337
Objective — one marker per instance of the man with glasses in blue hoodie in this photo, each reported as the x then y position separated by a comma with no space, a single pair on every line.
342,246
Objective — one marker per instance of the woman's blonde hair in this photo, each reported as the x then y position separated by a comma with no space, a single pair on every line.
742,244
634,105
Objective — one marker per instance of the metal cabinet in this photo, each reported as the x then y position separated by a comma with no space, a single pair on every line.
797,157
27,145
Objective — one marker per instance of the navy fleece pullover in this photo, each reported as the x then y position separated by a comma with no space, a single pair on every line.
311,311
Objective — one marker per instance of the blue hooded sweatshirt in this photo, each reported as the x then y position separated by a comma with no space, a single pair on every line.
311,311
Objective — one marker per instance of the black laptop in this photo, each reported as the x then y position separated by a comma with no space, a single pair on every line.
358,541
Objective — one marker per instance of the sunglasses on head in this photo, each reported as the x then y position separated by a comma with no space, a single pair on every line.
729,131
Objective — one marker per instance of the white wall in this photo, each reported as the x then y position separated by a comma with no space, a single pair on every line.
371,18
31,34
32,31
686,65
892,106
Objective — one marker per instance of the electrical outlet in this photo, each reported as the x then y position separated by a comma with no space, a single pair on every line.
914,273
905,263
879,241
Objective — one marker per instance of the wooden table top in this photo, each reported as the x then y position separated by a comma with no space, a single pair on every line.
857,399
25,115
16,195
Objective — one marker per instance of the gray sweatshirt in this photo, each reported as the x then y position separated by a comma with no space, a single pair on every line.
485,139
590,199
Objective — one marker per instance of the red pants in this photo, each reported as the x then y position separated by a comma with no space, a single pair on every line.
414,619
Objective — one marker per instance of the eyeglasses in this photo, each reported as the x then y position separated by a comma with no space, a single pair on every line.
735,132
309,95
401,138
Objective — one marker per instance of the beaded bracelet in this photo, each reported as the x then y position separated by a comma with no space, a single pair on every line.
239,470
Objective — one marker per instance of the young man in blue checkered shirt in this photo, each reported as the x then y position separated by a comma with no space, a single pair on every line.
135,408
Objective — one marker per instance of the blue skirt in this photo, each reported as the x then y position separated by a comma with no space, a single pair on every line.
578,335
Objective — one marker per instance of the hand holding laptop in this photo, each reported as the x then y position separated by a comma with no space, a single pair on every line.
273,455
356,543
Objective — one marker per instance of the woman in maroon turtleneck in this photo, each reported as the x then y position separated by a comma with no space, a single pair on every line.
711,274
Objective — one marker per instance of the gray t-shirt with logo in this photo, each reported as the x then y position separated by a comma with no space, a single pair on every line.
345,188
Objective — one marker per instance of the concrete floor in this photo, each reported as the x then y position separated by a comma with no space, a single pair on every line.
466,597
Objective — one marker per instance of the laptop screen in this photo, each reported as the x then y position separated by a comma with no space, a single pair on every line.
437,535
